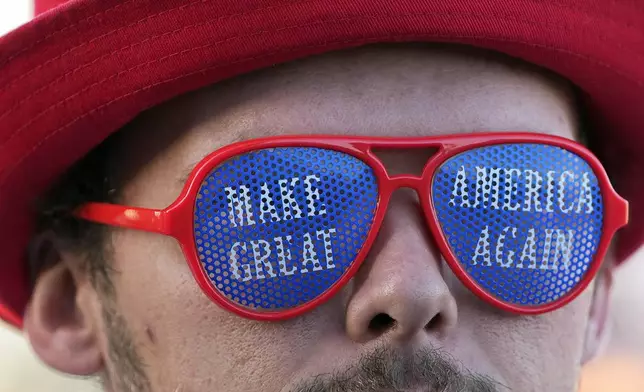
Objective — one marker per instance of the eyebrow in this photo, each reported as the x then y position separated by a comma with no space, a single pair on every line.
187,171
239,137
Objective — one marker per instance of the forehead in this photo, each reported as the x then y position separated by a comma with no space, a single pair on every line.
377,91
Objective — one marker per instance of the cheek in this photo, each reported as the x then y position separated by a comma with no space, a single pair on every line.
186,339
531,351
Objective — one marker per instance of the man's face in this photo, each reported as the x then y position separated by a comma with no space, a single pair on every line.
405,322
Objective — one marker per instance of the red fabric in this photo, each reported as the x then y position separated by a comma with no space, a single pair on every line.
77,73
41,6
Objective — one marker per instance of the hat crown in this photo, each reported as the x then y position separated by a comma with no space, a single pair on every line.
41,6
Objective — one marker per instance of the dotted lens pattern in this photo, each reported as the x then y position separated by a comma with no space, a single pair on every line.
524,220
276,228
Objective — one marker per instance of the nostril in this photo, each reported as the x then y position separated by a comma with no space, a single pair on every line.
380,323
434,323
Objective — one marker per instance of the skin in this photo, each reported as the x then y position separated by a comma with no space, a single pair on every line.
627,315
188,343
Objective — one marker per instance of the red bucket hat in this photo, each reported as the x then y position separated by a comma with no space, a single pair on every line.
82,69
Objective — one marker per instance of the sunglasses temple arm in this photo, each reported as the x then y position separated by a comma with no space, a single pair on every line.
143,219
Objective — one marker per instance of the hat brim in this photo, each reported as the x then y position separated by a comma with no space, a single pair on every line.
74,75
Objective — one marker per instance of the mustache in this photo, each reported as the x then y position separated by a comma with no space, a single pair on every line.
389,370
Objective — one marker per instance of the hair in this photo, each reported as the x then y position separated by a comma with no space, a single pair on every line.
87,180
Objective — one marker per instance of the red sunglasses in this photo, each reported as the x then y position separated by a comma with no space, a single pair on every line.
273,227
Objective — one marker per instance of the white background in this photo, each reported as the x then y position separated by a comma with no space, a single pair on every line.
13,13
20,371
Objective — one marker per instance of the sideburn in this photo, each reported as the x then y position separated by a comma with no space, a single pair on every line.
125,371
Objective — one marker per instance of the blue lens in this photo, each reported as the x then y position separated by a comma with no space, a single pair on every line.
276,228
523,220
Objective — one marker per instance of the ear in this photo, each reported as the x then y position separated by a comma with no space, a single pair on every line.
598,327
58,320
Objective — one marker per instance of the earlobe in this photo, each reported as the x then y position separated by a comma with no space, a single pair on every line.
598,328
58,320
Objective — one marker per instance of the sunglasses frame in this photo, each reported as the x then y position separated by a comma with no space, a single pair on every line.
176,220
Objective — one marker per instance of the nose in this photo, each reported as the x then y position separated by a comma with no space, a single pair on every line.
399,291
